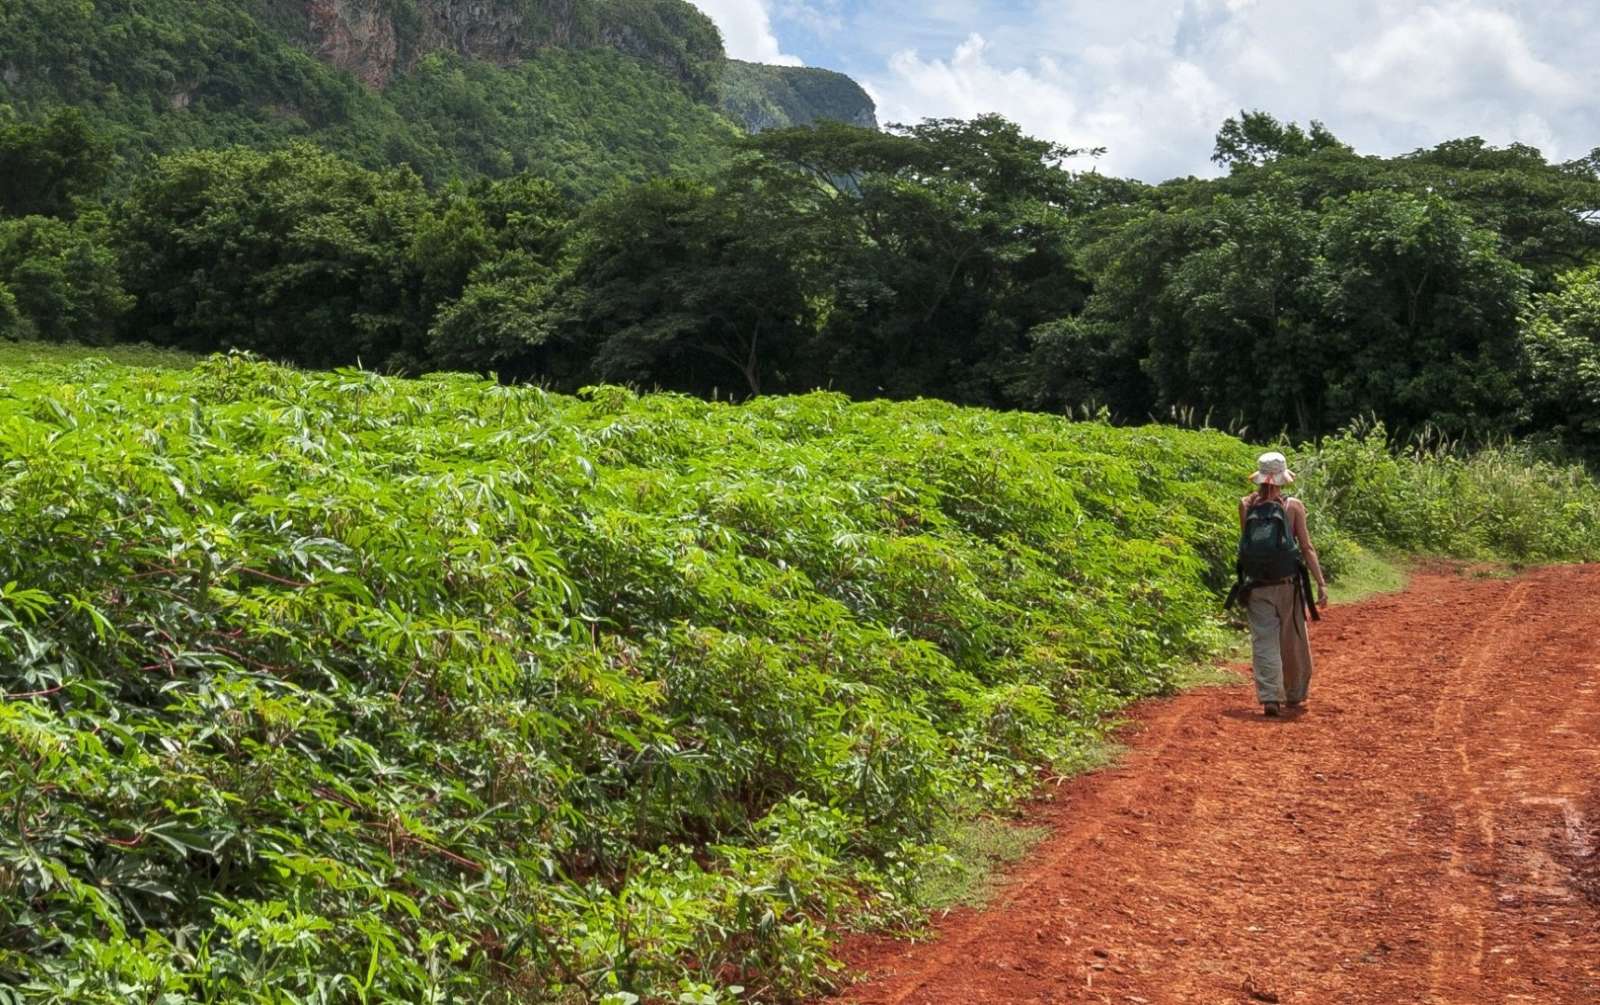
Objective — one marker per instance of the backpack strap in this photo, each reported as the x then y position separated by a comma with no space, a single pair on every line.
1237,595
1307,596
1241,589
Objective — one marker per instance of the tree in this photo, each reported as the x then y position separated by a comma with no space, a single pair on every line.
500,322
692,288
952,241
1278,317
903,263
60,283
489,256
1542,212
1084,362
294,254
1245,344
1561,336
10,315
1256,138
1419,310
45,167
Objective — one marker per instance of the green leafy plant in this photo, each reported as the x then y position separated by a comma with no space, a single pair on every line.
337,687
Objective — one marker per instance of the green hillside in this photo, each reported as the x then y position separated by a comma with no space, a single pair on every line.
776,97
343,688
587,92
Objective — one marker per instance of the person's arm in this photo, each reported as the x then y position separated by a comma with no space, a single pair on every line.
1302,534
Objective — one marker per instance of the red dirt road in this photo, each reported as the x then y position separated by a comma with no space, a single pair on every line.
1426,834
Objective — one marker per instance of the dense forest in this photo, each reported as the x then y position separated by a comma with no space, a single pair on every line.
1308,286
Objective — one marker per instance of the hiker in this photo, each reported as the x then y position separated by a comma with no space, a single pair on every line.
1276,565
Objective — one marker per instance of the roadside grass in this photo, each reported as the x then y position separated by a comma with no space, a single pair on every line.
13,354
973,866
980,850
1367,574
1219,673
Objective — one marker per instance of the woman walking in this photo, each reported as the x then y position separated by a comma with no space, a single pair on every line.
1275,550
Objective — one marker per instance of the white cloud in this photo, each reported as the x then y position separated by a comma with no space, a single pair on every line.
747,30
820,17
1153,79
1440,55
1155,112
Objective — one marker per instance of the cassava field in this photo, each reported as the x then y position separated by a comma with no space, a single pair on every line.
340,688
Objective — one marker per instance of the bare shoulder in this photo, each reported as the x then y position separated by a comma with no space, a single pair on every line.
1294,505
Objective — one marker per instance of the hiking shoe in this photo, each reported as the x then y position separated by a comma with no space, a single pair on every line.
1270,709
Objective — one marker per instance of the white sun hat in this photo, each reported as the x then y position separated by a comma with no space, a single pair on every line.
1273,469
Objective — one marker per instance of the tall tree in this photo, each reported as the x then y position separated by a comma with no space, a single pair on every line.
489,256
1561,335
1256,137
45,167
58,282
295,254
1261,312
695,288
1419,313
10,315
1245,344
960,244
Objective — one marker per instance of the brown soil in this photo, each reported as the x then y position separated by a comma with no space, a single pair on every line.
1425,833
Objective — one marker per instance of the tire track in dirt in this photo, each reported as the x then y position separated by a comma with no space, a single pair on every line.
1464,931
1425,833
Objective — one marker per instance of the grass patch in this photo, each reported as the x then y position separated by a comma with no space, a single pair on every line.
1508,571
978,849
20,354
1367,574
1218,674
968,874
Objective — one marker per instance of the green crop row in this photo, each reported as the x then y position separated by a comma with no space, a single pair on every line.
338,688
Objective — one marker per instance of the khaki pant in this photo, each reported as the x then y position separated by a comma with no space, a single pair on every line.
1280,645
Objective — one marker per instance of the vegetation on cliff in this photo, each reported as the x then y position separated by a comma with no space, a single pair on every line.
764,97
586,93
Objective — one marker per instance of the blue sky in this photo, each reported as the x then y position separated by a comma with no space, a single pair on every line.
1152,79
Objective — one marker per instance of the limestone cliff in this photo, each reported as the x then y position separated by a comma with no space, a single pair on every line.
376,40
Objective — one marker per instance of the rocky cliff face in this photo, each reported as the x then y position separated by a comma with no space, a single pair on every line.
377,39
357,36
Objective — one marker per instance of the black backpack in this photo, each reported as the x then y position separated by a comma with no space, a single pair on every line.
1267,548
